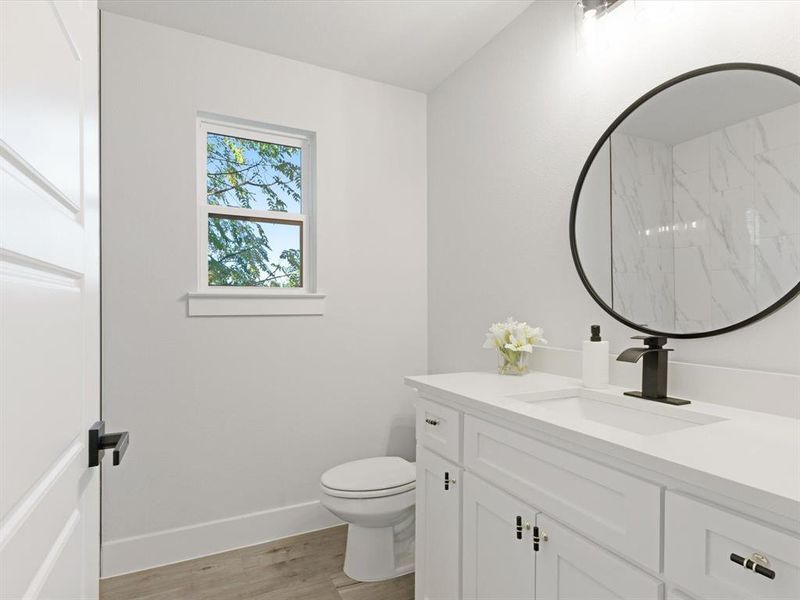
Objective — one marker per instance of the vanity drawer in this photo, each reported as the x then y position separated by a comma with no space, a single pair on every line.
616,510
439,429
700,540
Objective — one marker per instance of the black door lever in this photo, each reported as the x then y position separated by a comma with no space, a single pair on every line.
99,441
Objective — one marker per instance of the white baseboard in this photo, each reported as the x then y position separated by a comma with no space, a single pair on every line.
183,543
763,391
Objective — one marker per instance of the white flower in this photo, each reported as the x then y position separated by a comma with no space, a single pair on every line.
514,336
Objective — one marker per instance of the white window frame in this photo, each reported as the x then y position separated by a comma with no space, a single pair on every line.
215,300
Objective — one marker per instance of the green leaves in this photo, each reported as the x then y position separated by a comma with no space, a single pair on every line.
256,175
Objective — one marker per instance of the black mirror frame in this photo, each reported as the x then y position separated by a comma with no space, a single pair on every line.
785,299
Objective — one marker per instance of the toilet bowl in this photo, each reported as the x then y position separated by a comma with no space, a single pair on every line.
375,497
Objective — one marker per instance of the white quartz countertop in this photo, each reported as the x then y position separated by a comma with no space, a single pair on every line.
749,456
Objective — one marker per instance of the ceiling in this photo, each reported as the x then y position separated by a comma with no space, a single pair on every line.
414,44
709,103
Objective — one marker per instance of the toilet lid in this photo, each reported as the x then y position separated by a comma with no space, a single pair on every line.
379,473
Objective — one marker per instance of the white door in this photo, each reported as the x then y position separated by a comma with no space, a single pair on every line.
438,521
498,544
49,299
569,567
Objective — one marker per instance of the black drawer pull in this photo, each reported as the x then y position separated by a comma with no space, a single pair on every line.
751,565
519,527
432,422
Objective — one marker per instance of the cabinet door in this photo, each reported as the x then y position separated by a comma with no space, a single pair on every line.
498,561
438,545
569,567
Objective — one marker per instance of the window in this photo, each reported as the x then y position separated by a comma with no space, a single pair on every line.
255,213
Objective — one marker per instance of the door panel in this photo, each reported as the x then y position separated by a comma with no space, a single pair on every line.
438,523
498,558
49,299
43,123
569,567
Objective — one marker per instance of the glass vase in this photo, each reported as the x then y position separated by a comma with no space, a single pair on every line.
512,363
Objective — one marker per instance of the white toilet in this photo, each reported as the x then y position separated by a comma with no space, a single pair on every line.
376,497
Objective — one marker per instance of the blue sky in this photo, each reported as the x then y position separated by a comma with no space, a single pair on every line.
281,236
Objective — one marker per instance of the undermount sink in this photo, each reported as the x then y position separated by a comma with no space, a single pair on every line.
644,417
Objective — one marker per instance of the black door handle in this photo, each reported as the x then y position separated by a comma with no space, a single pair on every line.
99,441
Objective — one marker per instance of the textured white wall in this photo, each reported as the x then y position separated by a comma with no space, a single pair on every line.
507,136
232,416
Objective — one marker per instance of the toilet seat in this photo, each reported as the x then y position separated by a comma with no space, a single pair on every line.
370,493
370,478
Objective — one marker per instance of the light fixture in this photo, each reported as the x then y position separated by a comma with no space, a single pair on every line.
596,8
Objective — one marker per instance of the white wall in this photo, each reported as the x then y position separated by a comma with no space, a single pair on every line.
507,136
233,419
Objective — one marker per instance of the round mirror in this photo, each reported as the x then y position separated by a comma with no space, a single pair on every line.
685,221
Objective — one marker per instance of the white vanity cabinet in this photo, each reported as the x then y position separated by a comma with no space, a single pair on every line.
438,528
527,516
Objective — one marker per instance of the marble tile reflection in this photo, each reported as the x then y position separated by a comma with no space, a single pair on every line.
777,268
777,191
642,214
706,232
692,286
733,228
777,129
733,296
691,156
692,216
731,156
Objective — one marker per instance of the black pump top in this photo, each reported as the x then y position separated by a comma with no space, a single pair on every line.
595,334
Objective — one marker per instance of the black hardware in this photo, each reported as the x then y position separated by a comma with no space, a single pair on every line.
600,7
751,565
654,369
99,441
446,481
536,538
519,527
433,422
598,147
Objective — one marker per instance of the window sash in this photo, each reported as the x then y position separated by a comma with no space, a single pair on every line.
205,209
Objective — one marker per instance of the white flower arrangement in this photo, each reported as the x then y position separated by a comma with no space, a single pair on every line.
514,342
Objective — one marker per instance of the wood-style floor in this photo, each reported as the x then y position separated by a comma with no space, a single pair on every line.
304,567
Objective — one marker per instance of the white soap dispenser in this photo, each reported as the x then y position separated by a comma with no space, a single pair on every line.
595,360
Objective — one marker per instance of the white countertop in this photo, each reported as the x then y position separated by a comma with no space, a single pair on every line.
749,456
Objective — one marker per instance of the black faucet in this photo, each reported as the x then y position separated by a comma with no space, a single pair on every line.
654,372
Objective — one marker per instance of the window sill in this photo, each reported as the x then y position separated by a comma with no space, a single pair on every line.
221,303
